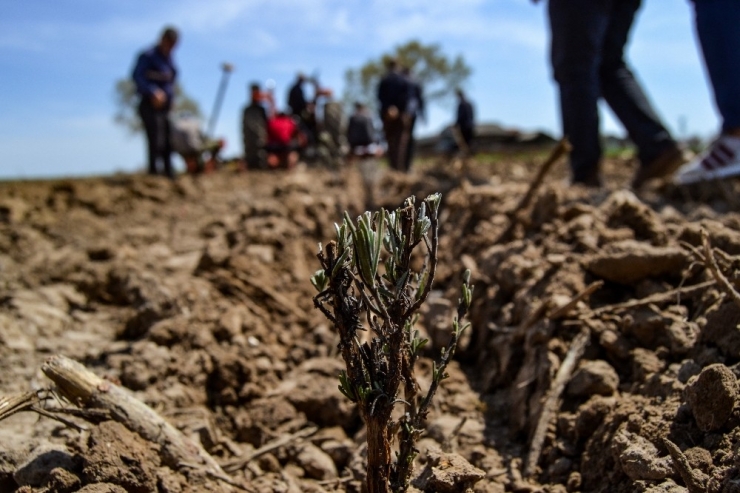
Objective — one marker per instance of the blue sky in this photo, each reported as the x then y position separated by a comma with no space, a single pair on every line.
59,60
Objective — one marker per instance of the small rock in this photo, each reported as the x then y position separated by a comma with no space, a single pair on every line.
639,457
37,468
447,473
615,344
315,462
334,442
63,481
688,369
645,363
723,329
265,253
312,389
711,396
593,377
215,254
441,429
699,458
101,488
12,210
627,262
574,481
666,487
591,414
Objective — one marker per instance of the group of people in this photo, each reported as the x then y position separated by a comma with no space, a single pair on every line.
588,39
275,138
400,102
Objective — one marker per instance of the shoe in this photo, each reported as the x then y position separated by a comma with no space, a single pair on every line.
662,166
721,160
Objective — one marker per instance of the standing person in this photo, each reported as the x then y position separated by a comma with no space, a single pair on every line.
296,98
414,108
717,24
361,132
393,97
588,39
254,127
154,75
465,121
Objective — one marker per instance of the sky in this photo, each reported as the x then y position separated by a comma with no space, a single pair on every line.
60,59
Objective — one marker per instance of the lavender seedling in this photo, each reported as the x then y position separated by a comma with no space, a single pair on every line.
366,282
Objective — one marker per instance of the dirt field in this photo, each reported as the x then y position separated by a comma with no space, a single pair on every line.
195,296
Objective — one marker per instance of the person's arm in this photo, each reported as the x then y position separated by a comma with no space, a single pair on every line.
143,85
146,87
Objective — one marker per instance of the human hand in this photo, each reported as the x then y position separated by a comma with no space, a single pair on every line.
159,98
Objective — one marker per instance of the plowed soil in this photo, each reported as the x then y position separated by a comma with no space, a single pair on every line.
195,295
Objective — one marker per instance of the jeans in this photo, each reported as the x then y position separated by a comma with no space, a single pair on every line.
587,55
157,126
718,28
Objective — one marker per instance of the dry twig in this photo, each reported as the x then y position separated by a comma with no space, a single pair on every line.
560,150
241,462
711,264
85,389
30,401
552,402
563,310
695,480
13,404
657,299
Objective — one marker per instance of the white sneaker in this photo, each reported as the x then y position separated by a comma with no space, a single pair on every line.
721,160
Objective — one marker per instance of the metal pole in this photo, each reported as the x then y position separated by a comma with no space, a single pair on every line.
226,68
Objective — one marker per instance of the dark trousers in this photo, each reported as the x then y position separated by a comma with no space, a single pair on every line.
717,22
587,54
467,133
396,136
157,127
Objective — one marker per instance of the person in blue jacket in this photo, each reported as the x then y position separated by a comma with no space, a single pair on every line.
154,75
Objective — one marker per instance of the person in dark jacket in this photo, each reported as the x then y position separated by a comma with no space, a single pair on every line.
465,121
393,97
154,75
296,98
361,132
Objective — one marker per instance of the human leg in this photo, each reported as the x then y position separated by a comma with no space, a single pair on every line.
147,115
577,34
717,24
658,153
165,148
393,130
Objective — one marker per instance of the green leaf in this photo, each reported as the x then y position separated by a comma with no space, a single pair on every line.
434,201
319,280
345,386
340,262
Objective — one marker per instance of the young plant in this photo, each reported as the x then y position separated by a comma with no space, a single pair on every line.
367,283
